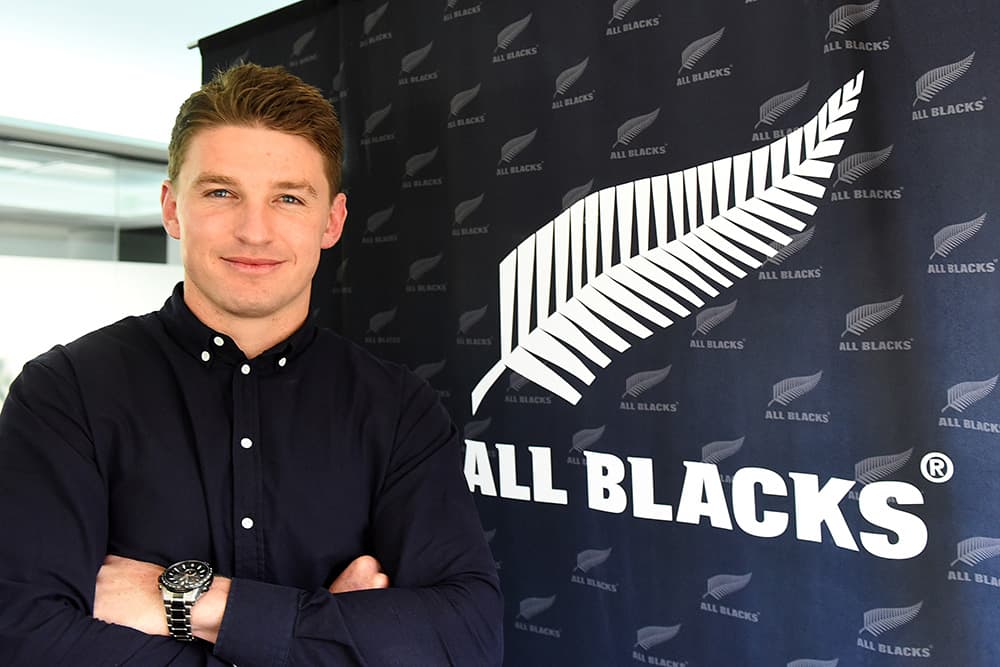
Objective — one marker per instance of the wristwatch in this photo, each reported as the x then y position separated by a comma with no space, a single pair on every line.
182,584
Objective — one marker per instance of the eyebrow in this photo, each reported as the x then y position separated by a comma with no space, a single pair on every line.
219,179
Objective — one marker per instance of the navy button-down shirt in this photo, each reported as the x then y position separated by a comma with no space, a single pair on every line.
157,439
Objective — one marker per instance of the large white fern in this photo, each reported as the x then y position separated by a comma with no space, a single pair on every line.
697,231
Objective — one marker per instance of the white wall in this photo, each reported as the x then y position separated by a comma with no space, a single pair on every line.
48,301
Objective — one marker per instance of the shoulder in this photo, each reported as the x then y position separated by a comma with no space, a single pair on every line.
367,373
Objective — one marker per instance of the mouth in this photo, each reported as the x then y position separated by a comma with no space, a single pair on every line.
253,265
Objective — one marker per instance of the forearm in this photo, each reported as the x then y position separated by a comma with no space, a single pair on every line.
456,622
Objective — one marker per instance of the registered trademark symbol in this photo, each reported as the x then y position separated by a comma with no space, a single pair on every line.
936,467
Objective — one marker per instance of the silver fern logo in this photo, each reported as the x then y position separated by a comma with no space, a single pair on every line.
573,195
652,637
789,389
338,85
933,82
964,394
720,450
710,318
624,21
299,55
693,53
502,53
374,227
413,61
372,123
975,550
813,662
583,440
629,130
415,165
340,279
376,334
972,552
721,586
463,211
843,20
846,17
528,609
588,560
452,11
566,81
853,167
875,468
560,260
467,322
697,49
373,27
783,253
416,283
474,429
638,384
948,239
882,620
511,149
952,236
774,108
458,115
859,320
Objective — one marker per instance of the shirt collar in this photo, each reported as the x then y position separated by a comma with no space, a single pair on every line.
207,345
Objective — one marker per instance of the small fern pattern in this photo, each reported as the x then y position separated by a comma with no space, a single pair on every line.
883,619
875,468
964,394
720,450
722,585
654,635
952,236
855,166
697,49
939,78
570,76
846,17
638,384
863,318
711,224
789,389
775,107
975,550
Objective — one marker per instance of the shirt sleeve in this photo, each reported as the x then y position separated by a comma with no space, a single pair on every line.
443,606
53,509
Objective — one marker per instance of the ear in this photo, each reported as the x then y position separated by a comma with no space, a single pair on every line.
168,205
335,221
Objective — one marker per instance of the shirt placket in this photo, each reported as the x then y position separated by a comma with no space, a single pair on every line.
248,519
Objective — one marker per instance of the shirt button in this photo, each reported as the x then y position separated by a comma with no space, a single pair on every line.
246,443
245,369
247,522
205,356
218,341
282,362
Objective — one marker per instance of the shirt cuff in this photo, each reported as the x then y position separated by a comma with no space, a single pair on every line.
257,626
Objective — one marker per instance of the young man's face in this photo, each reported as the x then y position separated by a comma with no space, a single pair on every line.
252,209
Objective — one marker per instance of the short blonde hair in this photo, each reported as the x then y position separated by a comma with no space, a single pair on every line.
248,95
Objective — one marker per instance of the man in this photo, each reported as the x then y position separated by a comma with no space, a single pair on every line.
225,432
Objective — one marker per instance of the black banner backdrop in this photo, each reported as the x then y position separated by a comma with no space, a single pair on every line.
734,267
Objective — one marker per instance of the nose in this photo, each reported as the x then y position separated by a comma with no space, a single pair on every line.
254,225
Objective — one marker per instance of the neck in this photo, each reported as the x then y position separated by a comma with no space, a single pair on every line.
253,335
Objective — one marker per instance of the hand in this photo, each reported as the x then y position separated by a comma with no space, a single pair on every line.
128,594
363,573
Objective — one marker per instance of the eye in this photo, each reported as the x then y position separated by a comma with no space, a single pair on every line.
289,199
219,194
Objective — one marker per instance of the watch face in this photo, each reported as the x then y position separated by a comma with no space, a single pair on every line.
186,576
